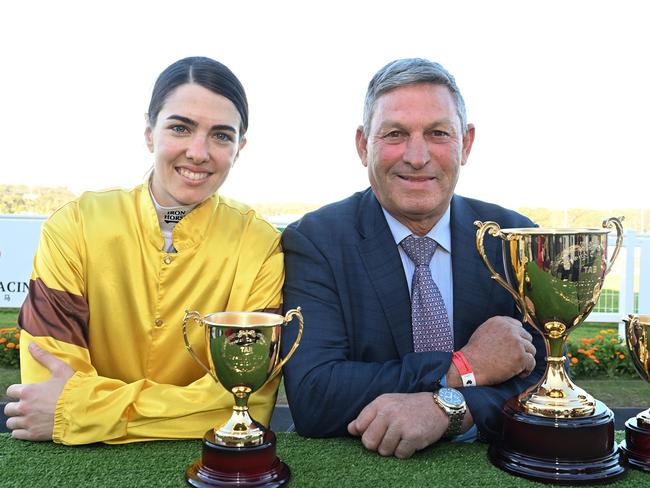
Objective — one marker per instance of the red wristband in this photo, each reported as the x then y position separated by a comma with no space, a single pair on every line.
465,370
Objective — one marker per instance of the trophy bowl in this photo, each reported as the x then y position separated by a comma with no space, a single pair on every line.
636,446
243,352
555,277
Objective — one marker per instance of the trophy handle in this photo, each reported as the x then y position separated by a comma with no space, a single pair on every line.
494,230
609,223
196,316
287,318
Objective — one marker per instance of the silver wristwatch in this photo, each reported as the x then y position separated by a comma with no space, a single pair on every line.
451,402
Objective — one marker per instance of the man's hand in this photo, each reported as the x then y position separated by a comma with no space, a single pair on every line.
498,350
31,417
399,424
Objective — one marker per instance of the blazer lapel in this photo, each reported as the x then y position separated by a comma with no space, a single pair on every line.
471,296
381,260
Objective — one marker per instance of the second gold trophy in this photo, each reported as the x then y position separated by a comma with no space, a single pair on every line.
555,431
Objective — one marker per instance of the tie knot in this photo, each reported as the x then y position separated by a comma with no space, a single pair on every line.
419,249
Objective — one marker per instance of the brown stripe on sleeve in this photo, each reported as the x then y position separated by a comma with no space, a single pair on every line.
53,313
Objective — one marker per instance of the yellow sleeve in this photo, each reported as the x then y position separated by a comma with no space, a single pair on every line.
93,408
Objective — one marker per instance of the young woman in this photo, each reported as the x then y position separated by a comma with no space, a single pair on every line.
102,354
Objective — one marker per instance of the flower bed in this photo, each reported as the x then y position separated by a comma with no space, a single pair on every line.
10,347
604,355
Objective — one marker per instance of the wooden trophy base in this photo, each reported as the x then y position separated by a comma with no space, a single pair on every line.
229,467
635,449
562,451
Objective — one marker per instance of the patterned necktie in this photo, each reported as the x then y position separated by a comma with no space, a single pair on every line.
431,328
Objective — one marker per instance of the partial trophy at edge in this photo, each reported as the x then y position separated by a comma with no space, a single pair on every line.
636,446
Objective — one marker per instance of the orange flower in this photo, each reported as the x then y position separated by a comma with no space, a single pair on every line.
3,339
569,354
599,337
622,356
17,335
574,360
11,345
17,346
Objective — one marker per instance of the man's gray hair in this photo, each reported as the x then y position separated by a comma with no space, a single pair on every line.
410,71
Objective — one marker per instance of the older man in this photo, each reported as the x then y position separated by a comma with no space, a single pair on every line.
407,339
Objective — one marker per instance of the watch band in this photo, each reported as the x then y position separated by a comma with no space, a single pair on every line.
455,423
464,368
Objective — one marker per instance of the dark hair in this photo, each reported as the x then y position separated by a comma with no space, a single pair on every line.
205,72
410,71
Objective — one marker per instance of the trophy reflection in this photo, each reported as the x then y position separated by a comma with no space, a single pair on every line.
243,352
636,446
554,431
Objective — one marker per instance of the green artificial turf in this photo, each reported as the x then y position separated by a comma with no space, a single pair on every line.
339,463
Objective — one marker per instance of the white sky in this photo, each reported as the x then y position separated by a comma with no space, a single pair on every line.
558,91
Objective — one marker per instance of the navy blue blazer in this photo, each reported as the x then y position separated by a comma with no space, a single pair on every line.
343,268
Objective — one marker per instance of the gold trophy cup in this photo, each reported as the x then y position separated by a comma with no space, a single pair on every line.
243,351
555,431
636,446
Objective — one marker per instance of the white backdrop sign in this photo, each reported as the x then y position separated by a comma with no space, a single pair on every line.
18,241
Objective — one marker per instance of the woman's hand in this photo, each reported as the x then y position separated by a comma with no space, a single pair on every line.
31,416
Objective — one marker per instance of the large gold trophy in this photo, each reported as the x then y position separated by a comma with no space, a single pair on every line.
243,351
555,431
636,446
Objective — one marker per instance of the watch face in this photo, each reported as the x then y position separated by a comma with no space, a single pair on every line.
451,396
